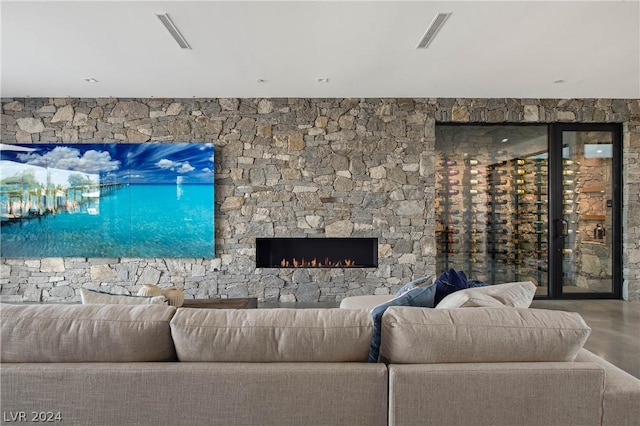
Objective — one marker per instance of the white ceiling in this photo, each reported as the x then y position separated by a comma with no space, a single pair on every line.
486,49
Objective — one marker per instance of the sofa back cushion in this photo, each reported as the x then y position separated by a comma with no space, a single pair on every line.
101,298
271,335
414,335
86,333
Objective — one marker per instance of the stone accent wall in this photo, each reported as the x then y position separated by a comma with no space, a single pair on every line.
294,167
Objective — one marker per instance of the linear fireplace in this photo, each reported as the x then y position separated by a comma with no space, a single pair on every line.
316,252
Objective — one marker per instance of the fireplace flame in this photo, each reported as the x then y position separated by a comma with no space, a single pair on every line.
315,263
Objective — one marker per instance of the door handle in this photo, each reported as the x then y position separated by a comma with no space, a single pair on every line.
558,228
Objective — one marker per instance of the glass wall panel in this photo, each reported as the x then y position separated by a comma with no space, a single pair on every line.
491,202
587,168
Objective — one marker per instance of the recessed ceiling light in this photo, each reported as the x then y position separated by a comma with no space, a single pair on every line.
90,80
505,140
322,80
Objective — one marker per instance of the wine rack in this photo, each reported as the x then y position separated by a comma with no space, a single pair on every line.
492,217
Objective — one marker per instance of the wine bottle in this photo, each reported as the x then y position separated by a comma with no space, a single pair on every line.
497,202
473,182
520,182
453,181
497,251
498,172
521,172
520,162
449,192
568,172
474,172
448,163
498,231
473,162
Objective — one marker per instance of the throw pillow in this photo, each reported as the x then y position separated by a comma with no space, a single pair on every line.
514,295
469,298
420,282
476,283
99,297
448,282
419,297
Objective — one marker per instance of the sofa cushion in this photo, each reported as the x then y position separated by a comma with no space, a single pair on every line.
418,297
271,335
93,297
86,333
517,295
415,336
367,301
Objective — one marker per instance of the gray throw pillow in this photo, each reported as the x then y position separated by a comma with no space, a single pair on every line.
420,282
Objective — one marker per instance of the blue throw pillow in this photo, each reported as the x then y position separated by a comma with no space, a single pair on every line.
420,296
420,282
448,282
476,283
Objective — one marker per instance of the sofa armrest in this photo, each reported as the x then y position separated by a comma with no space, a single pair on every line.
621,399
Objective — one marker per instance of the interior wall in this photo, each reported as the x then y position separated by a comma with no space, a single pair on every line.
294,168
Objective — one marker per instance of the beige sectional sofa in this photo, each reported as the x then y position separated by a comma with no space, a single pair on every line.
157,365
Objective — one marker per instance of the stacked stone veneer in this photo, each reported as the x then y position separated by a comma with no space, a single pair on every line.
294,167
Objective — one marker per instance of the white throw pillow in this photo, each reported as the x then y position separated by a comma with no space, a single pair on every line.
97,297
514,295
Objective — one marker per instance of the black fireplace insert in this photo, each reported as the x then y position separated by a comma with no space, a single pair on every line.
316,252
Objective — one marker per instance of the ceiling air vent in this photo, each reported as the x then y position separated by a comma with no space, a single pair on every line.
433,29
173,30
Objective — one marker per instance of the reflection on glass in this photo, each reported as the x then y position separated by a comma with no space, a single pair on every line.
588,187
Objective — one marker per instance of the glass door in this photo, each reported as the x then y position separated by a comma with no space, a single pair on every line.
585,211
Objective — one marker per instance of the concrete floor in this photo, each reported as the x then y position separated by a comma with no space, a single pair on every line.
615,326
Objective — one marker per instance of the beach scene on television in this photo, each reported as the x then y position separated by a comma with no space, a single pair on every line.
107,200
